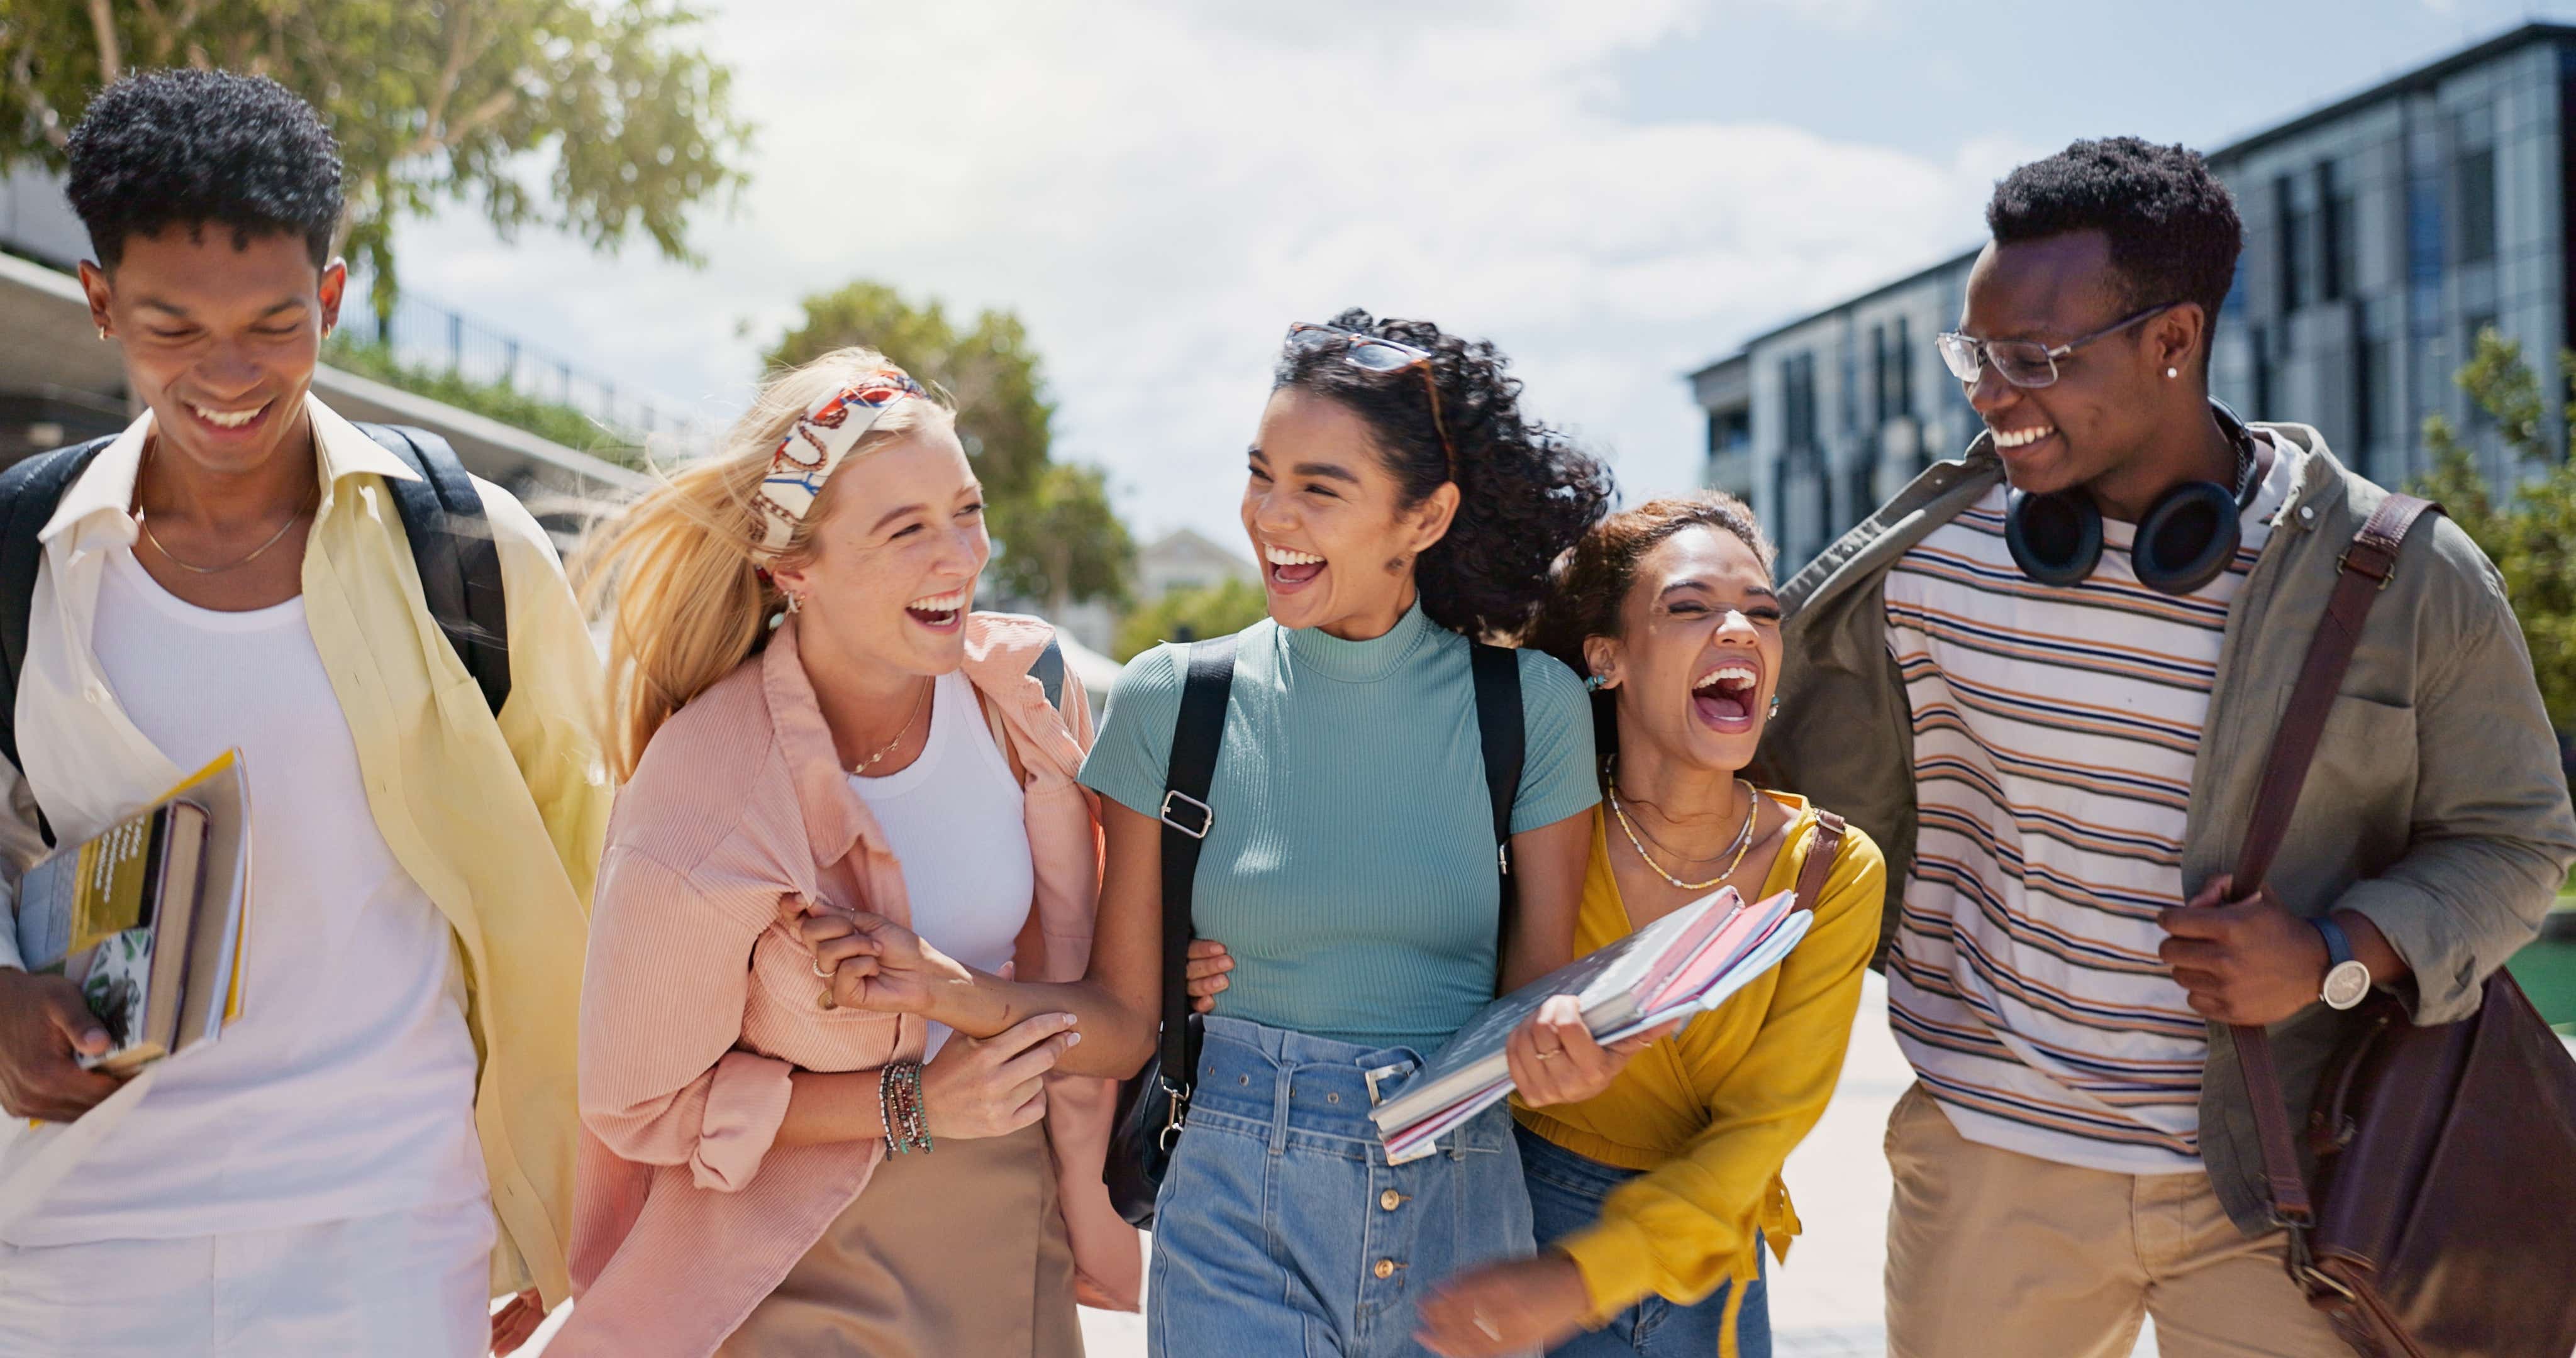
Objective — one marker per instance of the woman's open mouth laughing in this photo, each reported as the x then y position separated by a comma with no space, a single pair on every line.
1289,571
1723,698
939,612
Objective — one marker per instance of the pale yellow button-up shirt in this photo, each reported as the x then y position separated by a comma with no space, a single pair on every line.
500,822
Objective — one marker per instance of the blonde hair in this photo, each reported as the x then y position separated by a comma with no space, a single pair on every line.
678,571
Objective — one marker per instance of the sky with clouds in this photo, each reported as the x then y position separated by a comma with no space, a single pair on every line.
1614,191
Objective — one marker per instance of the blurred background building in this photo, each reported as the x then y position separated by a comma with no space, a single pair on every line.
2383,232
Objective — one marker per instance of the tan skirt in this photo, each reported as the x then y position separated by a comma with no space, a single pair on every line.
958,1252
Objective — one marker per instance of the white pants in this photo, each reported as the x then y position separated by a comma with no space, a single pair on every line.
411,1284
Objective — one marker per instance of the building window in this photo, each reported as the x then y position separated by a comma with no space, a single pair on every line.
1901,353
2257,343
2477,176
2425,251
2369,402
2335,226
1878,375
1798,400
2293,230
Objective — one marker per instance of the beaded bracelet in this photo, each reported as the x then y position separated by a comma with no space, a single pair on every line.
899,1105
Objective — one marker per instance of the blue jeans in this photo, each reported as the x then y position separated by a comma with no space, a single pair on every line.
1281,1229
1565,1191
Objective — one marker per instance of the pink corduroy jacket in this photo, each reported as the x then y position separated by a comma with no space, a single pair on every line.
698,1001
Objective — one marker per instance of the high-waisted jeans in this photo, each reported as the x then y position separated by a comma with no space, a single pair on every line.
1566,1190
1282,1230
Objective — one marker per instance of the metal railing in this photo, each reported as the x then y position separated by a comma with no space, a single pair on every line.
422,334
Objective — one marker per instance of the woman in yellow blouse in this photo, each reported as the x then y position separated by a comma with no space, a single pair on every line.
1653,1199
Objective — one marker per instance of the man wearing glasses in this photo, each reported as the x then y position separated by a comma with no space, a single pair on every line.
2045,677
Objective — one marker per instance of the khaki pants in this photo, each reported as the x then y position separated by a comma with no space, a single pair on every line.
1991,1254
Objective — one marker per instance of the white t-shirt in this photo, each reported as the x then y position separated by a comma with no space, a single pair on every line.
955,820
346,1088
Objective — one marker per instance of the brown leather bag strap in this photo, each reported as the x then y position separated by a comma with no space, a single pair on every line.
1828,842
2363,572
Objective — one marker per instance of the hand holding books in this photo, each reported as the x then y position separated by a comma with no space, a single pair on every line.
1686,962
1553,1058
45,1027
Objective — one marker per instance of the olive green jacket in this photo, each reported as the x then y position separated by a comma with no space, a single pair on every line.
2436,806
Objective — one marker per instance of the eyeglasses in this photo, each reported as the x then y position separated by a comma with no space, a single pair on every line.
2024,363
1369,353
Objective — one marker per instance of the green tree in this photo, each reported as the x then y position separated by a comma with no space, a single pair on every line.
2530,530
1061,543
434,101
1208,611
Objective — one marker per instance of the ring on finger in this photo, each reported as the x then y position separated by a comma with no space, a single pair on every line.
821,970
1550,1056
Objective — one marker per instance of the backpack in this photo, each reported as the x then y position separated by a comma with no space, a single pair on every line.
442,516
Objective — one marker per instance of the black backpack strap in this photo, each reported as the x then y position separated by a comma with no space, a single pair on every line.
1049,671
1497,671
452,545
29,492
1187,818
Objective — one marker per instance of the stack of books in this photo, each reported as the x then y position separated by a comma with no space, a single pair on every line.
1687,962
147,917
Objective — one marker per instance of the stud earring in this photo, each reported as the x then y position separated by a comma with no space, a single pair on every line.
2173,373
1775,705
102,334
1592,683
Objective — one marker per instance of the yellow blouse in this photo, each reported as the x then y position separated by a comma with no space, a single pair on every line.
1714,1110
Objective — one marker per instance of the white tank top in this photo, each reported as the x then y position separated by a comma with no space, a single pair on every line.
955,821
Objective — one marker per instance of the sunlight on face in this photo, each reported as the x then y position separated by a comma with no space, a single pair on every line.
1327,520
220,336
895,554
1698,654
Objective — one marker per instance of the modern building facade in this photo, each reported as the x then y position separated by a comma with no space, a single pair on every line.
2382,233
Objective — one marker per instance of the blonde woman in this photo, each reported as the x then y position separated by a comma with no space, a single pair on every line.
812,723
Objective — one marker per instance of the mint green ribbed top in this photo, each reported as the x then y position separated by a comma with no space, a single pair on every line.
1351,867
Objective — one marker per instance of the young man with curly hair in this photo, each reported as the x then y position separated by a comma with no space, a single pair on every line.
2045,677
383,1141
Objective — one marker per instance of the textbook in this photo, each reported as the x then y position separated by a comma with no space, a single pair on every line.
1689,961
146,918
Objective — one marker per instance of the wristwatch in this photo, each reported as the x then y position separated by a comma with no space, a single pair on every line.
2347,978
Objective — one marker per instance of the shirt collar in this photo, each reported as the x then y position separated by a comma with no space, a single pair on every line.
107,486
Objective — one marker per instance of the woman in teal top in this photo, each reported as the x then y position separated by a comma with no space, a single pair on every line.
1399,504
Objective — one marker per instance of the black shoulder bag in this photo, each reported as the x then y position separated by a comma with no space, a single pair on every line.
1153,1107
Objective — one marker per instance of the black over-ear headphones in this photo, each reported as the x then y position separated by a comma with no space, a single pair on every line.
2187,537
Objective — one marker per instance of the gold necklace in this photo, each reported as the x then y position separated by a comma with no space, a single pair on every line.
144,522
871,761
1743,838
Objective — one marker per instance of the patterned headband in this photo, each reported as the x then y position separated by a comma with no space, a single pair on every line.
813,450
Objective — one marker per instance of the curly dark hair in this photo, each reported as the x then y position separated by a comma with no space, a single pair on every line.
1525,493
192,148
1593,579
2173,227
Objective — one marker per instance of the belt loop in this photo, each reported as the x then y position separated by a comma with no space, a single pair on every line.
1283,1083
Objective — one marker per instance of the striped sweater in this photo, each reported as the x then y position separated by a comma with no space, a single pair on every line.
2054,735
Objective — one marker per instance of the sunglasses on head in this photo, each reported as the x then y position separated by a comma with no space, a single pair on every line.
2025,363
1373,354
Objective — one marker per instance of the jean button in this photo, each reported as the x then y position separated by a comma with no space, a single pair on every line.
1390,1200
1385,1268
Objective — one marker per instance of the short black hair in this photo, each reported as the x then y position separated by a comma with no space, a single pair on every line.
195,148
2173,227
